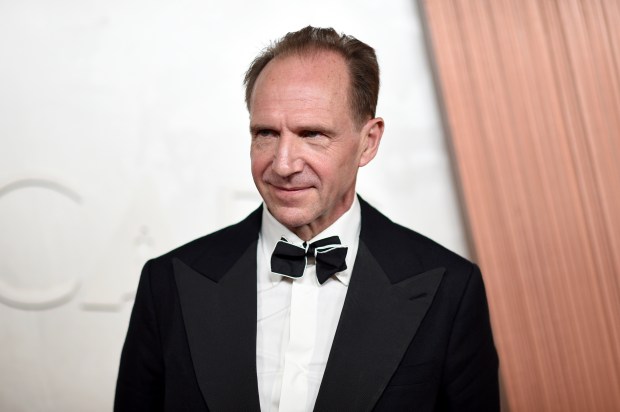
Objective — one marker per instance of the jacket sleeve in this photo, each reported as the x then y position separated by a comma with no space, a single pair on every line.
140,383
470,376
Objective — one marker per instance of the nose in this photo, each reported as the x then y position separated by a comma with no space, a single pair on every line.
287,157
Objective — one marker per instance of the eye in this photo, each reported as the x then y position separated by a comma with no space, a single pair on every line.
264,133
310,134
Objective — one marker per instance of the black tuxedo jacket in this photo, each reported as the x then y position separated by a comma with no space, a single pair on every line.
414,332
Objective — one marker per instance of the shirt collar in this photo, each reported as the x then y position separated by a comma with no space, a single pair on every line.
347,228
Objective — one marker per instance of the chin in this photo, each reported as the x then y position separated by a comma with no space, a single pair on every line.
291,217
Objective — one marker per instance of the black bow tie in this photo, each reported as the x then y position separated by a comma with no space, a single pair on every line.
290,260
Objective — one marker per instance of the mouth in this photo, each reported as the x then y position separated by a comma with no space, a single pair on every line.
284,191
289,189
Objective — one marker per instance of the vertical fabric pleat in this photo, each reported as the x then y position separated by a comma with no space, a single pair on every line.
531,94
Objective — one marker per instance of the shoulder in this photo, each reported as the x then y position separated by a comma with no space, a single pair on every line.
402,252
217,250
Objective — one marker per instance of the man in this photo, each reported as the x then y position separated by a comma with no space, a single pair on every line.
316,300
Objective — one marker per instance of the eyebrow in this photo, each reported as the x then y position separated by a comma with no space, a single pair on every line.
321,128
314,127
256,127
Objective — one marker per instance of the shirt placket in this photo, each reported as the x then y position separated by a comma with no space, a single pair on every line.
302,339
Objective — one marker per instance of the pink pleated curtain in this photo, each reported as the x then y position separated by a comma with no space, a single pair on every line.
531,97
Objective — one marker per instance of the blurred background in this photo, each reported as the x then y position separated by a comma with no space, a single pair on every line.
123,133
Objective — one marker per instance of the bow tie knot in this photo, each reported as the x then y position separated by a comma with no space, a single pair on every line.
290,260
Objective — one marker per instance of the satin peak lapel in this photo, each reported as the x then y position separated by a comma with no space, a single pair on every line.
377,324
220,320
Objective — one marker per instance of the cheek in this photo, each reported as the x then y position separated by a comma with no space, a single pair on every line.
259,161
257,173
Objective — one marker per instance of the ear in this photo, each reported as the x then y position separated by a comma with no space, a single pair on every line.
371,137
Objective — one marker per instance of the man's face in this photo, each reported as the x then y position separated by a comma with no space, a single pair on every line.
306,147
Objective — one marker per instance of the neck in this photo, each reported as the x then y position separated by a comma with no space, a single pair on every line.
309,231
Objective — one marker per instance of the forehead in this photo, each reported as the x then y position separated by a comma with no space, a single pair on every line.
314,78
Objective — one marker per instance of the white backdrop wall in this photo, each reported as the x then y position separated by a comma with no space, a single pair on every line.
123,133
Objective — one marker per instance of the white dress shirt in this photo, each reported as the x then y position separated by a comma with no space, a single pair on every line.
297,318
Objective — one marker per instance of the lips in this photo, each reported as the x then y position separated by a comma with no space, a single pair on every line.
289,194
290,189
